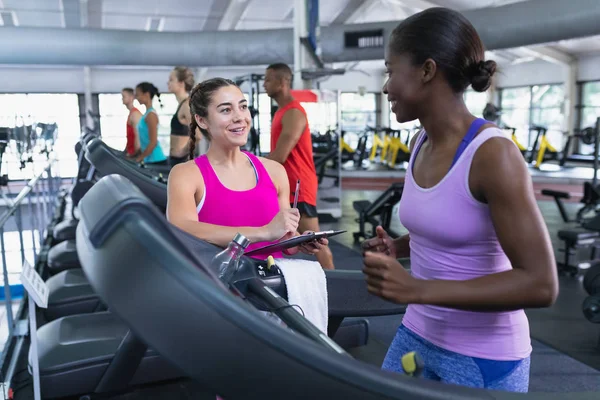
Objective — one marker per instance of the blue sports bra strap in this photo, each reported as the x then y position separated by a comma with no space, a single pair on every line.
473,129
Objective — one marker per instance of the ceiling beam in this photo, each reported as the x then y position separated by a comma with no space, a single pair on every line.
71,13
354,10
549,54
234,11
216,14
94,13
347,12
418,5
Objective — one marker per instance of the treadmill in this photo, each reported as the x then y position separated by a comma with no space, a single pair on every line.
215,334
94,351
69,291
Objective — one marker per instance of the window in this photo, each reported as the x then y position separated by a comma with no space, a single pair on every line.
113,118
358,112
321,116
20,110
515,106
546,111
264,119
475,102
591,104
540,105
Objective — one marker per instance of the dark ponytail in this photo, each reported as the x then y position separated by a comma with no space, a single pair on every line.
449,39
147,87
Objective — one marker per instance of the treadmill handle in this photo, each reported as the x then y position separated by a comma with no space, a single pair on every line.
290,316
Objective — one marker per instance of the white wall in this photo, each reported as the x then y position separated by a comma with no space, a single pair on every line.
540,72
589,68
530,73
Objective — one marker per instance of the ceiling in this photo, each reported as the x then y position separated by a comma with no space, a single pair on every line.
207,15
197,15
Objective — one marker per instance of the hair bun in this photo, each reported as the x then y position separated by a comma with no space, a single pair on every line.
481,75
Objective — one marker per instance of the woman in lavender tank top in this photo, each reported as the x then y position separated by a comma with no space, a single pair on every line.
479,248
227,190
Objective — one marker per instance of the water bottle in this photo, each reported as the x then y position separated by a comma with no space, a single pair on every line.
226,262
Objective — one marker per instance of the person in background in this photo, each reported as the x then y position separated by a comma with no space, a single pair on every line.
181,81
291,146
479,249
151,151
132,148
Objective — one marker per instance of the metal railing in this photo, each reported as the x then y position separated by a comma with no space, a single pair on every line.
24,220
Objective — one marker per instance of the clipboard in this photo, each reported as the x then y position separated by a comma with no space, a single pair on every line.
293,242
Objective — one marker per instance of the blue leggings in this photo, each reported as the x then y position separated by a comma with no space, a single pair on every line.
453,368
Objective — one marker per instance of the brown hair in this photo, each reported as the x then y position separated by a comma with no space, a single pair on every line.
185,75
200,98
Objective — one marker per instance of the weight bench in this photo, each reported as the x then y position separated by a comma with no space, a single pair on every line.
378,212
576,239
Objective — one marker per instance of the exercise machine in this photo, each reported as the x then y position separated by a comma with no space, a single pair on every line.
220,323
545,151
591,304
254,81
588,235
99,354
591,190
586,136
398,151
513,136
378,212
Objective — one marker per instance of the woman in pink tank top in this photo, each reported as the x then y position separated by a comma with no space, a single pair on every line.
227,190
479,249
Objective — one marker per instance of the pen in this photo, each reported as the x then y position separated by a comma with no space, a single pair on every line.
296,193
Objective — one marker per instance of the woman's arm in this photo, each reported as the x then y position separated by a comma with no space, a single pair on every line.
152,122
185,180
502,179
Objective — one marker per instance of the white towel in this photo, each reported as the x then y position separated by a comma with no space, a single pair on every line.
307,288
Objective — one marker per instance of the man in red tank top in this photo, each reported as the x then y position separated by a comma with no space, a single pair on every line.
132,147
291,145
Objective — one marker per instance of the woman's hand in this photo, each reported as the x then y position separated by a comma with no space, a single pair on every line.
310,248
388,279
283,225
382,243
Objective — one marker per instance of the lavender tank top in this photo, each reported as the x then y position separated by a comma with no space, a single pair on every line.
452,237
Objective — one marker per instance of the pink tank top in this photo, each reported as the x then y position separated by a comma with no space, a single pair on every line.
452,237
222,206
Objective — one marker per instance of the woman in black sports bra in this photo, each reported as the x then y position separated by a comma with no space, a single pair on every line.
181,81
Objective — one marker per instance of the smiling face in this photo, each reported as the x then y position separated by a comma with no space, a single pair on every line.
141,96
228,121
405,87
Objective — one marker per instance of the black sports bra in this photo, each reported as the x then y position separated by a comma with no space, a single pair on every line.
177,128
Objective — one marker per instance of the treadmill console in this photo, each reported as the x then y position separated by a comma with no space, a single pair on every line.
251,268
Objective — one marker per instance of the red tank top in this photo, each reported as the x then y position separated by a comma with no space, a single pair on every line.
130,147
222,206
300,163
